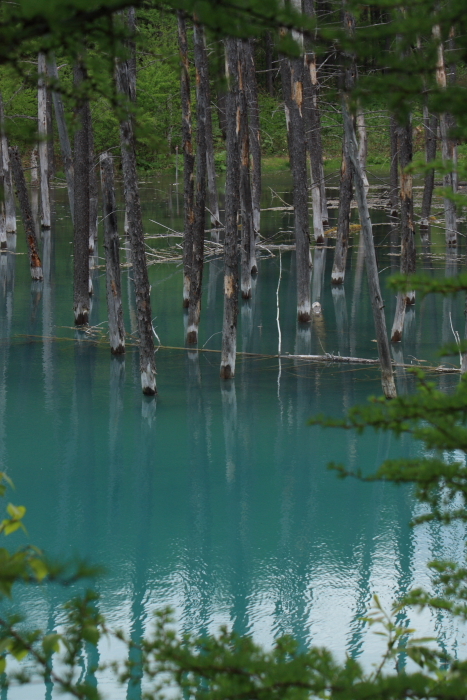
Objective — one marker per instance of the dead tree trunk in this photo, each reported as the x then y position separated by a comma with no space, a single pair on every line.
394,168
9,198
188,158
229,329
50,134
93,193
65,145
202,106
112,257
362,143
255,136
136,236
81,207
387,378
248,261
43,136
430,123
212,194
35,263
343,221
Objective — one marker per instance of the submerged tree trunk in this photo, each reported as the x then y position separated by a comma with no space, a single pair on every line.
10,209
81,208
63,136
35,263
43,136
430,123
387,377
255,136
229,329
202,106
136,236
112,257
188,158
394,168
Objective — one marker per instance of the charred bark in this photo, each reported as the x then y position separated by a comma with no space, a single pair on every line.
35,263
81,207
202,105
229,329
112,257
136,237
188,158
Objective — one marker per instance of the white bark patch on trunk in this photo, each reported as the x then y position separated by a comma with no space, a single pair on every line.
148,381
318,229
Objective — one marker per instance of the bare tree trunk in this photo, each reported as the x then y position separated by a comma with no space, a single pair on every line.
430,123
136,236
50,134
213,198
65,145
448,149
362,143
343,221
255,136
35,263
93,193
10,209
81,208
246,205
112,257
269,50
408,253
188,158
387,377
394,168
202,106
229,330
43,136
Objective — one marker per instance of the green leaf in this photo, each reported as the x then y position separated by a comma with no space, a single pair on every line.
16,512
40,568
51,644
2,664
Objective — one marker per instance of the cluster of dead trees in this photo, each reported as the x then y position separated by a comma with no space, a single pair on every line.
241,221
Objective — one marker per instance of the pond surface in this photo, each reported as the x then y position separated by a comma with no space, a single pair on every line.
215,498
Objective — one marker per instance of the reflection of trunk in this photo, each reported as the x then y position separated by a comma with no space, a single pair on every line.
248,261
430,123
188,158
394,168
112,257
343,221
229,416
10,211
65,145
342,321
292,83
136,236
43,136
28,222
254,132
377,303
229,330
202,94
81,208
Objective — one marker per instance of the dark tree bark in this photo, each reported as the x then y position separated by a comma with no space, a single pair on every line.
202,105
93,193
81,208
246,204
255,136
229,330
136,237
65,145
35,263
188,158
112,257
292,84
430,123
377,303
394,168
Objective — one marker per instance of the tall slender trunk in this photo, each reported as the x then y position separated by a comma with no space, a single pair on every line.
229,329
246,204
212,194
430,124
50,133
448,148
93,192
343,221
43,136
63,136
269,51
202,106
136,235
362,143
35,263
255,134
394,168
81,207
387,377
112,257
8,193
188,158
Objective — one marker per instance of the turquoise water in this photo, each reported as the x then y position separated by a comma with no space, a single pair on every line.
215,498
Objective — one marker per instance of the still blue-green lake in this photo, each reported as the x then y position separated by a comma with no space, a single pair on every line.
215,498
